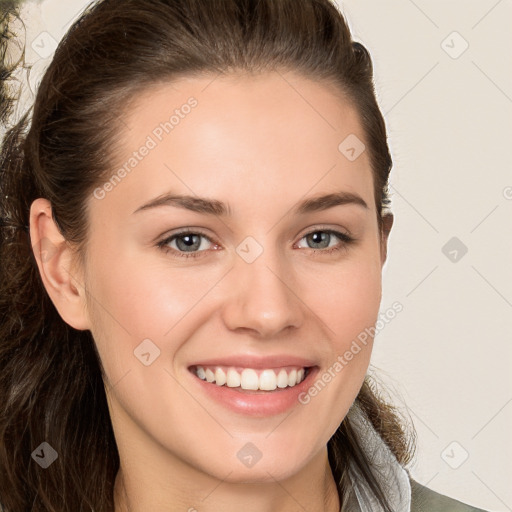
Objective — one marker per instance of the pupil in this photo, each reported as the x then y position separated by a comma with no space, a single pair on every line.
319,237
188,240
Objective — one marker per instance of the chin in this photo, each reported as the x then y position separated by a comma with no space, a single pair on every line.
269,464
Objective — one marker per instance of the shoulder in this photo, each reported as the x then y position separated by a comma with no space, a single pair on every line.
427,500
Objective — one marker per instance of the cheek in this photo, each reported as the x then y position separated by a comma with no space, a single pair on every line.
140,298
345,296
146,301
129,302
348,305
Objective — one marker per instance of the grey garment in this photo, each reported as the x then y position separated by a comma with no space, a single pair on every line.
423,499
404,493
427,500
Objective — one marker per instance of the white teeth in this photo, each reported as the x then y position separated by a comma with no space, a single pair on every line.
233,380
220,377
268,380
282,379
249,379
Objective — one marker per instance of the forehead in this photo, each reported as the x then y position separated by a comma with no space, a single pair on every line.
285,98
258,134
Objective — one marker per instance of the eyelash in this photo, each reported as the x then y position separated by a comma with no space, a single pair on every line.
163,244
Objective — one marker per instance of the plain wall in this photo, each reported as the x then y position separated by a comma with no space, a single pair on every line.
448,108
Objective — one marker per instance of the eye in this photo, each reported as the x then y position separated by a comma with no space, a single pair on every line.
321,239
187,244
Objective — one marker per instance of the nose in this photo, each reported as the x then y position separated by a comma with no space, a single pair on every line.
263,297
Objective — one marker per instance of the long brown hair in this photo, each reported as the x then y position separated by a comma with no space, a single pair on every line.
51,383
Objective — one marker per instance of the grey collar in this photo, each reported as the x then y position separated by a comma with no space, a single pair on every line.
392,477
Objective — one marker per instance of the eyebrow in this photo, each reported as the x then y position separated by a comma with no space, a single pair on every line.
214,207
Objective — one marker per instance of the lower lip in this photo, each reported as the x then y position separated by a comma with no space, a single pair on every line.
258,404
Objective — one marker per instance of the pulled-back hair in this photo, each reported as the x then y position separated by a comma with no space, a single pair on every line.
51,382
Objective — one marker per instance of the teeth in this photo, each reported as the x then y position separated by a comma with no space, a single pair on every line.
282,379
220,377
268,380
248,378
233,378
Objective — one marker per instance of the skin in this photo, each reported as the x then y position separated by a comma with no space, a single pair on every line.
260,144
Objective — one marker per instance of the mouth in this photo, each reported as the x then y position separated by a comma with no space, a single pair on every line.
252,380
254,385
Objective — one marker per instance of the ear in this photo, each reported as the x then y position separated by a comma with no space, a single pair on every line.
387,223
54,258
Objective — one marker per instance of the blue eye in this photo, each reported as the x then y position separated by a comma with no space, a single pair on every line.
320,237
189,244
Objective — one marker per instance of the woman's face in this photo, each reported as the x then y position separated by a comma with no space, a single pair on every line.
257,287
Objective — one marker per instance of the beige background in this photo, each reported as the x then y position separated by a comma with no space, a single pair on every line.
444,82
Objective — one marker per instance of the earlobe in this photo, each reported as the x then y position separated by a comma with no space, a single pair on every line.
387,223
54,259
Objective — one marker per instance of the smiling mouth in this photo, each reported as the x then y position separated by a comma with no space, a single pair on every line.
251,379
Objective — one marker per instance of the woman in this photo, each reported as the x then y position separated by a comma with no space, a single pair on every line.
194,226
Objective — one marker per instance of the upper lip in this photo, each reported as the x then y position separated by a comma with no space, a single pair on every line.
257,362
